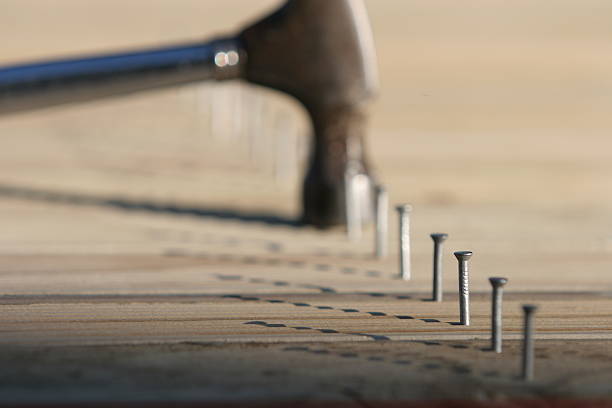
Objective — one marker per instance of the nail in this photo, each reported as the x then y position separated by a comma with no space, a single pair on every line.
284,142
438,239
527,372
382,222
254,126
496,313
237,110
464,289
353,210
404,211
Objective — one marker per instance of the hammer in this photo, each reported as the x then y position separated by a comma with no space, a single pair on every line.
318,51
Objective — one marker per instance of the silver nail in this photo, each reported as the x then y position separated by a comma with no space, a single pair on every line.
284,142
352,207
527,369
464,288
496,313
382,222
404,240
438,239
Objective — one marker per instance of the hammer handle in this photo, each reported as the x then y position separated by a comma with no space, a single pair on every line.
39,85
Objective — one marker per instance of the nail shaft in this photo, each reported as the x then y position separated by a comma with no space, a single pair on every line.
404,240
463,258
527,366
382,222
353,214
284,142
496,313
438,239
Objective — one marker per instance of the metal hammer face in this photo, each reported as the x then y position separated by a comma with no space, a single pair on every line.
322,53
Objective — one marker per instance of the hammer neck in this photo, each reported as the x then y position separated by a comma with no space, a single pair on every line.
339,137
338,146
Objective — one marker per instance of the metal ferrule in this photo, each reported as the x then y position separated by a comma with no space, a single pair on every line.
229,58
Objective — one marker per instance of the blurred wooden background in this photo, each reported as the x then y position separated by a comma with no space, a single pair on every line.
493,119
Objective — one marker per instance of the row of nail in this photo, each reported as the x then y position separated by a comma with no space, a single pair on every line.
463,258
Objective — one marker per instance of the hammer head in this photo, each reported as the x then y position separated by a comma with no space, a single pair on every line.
321,52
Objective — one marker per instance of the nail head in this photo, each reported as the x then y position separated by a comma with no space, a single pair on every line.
498,282
439,237
530,308
404,208
463,255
